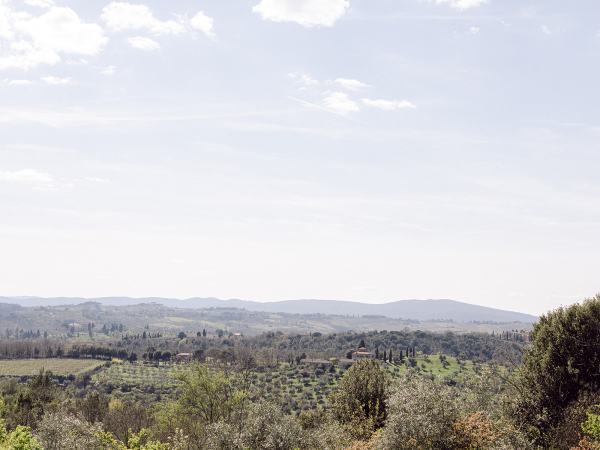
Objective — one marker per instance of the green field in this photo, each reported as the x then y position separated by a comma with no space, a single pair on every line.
446,367
65,367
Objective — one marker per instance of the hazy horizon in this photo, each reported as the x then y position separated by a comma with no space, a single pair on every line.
271,300
284,149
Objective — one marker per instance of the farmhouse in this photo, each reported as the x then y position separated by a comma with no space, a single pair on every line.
362,353
183,357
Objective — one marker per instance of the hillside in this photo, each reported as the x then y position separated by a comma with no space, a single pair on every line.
56,320
421,310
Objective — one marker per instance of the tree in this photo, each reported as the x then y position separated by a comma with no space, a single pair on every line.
32,401
361,343
124,419
205,397
421,413
560,365
181,335
93,406
360,400
390,356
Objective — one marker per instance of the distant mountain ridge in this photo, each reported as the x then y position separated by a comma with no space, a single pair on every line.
422,310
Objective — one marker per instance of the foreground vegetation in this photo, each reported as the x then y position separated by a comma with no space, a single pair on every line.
251,399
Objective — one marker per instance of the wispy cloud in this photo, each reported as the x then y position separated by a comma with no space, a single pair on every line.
303,79
340,103
19,82
30,177
351,84
143,43
460,4
56,81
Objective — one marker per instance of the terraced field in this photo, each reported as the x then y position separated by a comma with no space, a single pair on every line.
63,367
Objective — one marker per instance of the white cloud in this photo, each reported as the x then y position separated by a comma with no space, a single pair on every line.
350,84
303,79
203,23
56,81
122,16
27,176
388,105
474,30
460,4
308,13
109,70
143,43
340,103
28,41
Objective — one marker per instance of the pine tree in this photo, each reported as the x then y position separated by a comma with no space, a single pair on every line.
385,355
390,356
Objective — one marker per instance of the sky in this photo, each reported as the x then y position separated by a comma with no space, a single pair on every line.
371,150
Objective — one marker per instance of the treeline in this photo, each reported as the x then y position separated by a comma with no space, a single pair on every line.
474,346
271,348
44,348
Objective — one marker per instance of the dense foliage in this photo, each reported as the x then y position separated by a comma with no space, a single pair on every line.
561,367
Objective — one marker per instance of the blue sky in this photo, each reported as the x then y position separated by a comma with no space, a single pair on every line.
365,150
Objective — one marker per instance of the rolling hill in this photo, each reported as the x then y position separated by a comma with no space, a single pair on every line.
421,310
